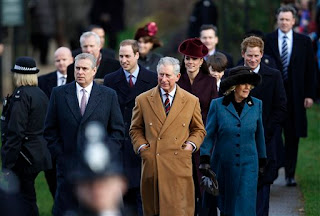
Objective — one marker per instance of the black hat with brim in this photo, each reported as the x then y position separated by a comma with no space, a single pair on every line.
240,75
25,65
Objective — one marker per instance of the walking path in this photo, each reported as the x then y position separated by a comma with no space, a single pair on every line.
285,201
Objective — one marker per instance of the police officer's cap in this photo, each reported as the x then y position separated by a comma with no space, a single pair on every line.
25,65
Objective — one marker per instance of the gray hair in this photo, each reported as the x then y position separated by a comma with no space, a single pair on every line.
86,56
170,61
287,8
87,34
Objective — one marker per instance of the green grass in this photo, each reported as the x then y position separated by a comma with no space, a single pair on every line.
44,198
308,167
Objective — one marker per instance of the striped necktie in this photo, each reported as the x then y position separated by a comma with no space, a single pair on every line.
284,58
167,104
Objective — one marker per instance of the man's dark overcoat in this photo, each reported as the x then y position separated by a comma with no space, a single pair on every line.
272,93
301,75
47,82
64,131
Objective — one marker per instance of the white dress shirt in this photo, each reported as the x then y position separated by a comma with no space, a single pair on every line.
289,42
87,92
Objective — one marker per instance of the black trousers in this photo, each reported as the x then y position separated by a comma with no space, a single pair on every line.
26,197
263,198
291,140
132,202
51,177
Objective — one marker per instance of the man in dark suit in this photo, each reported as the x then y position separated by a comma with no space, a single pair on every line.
71,108
141,81
90,43
271,92
295,59
107,52
62,59
209,36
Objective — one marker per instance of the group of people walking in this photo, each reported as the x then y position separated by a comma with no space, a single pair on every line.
167,124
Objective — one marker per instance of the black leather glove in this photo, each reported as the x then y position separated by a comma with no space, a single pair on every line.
262,165
210,184
204,165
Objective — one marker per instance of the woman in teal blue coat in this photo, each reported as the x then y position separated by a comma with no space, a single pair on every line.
235,143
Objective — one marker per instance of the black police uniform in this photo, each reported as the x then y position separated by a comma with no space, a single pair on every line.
24,150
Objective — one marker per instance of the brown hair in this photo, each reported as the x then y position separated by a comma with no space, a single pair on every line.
252,41
154,40
132,43
218,61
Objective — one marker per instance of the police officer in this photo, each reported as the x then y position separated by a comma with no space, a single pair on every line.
24,150
99,181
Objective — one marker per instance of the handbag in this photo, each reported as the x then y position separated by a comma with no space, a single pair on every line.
210,183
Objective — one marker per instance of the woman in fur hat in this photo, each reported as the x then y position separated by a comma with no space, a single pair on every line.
235,142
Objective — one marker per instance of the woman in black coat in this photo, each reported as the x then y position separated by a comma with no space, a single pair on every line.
24,150
195,78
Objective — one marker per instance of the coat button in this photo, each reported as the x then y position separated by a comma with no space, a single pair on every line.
238,145
159,138
238,135
237,155
175,153
150,123
183,124
158,154
238,125
237,164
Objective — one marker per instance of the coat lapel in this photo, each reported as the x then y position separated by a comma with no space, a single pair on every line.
94,100
157,105
294,47
177,105
232,110
72,101
247,107
274,46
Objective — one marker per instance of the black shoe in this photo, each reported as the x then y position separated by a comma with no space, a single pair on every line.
291,182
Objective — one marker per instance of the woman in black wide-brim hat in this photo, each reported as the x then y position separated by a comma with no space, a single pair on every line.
235,142
195,78
24,150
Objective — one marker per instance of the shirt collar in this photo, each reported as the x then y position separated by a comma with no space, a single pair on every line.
289,34
59,75
257,69
88,88
134,74
172,93
212,52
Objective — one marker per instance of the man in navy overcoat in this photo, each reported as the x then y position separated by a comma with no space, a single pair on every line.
71,108
271,92
142,81
294,57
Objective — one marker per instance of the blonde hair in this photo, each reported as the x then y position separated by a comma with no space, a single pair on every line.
25,79
232,88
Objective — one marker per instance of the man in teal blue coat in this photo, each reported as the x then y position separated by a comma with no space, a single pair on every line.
235,137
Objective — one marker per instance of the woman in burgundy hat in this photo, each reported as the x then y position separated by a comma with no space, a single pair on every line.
147,41
195,78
